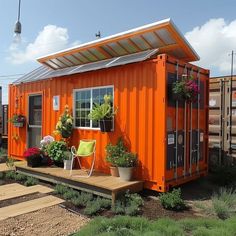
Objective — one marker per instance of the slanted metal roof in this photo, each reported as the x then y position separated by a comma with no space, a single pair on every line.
163,35
43,72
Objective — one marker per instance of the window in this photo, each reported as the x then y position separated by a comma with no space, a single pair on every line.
84,99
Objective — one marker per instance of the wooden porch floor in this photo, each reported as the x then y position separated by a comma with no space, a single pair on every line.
98,184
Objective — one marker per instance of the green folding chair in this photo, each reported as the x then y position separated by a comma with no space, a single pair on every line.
87,148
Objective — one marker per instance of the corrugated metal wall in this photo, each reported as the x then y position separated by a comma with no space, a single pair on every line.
140,95
222,120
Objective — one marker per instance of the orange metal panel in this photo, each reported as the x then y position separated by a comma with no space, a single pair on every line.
139,94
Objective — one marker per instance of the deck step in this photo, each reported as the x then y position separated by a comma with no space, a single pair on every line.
22,191
28,206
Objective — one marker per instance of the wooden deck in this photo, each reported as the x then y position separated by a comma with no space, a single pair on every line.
98,184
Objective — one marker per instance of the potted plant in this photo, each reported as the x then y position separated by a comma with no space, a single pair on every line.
33,157
67,160
18,120
185,88
113,152
64,126
44,143
56,151
126,164
103,113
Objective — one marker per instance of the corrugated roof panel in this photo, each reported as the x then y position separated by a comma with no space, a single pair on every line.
165,36
153,40
140,43
118,49
128,46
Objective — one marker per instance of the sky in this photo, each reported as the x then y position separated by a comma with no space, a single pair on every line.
52,25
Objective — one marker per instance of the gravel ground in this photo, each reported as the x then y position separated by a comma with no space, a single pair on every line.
51,221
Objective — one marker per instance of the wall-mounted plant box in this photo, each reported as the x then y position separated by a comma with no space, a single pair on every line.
18,124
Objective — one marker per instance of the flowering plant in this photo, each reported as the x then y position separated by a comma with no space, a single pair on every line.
127,159
34,151
64,126
17,119
186,88
45,142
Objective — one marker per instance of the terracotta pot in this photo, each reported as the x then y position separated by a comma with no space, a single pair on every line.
126,173
114,171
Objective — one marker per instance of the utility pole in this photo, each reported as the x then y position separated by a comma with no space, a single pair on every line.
230,101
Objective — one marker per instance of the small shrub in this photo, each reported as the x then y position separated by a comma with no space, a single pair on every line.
98,205
31,181
70,194
92,208
10,174
118,208
224,203
20,177
78,201
86,197
130,204
60,189
172,200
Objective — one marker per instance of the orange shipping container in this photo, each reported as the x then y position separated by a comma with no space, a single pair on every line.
170,138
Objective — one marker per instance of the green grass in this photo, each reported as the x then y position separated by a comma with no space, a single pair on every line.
132,226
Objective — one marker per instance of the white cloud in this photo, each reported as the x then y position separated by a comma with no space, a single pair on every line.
51,39
214,41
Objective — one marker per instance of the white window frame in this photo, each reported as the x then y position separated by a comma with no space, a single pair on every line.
74,105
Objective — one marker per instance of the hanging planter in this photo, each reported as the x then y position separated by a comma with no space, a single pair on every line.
18,120
105,125
186,89
103,113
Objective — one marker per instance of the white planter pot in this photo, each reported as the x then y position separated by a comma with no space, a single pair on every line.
126,173
67,164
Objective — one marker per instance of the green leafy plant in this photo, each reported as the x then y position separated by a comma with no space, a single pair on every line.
172,200
60,189
20,177
64,126
127,159
17,118
98,205
31,181
10,174
129,204
56,150
186,88
102,111
82,199
69,194
113,152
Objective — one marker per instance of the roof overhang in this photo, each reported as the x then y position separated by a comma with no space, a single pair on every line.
163,35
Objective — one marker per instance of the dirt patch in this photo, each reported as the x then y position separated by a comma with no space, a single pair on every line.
153,209
51,221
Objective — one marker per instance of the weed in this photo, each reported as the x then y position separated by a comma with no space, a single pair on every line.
172,200
30,181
